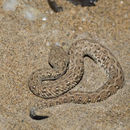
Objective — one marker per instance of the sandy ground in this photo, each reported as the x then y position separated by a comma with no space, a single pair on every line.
26,32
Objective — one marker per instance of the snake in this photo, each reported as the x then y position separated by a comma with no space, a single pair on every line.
66,71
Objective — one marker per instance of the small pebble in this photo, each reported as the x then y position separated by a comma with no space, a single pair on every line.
44,19
10,5
121,2
57,44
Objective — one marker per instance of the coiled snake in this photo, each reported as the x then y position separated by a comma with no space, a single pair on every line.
67,70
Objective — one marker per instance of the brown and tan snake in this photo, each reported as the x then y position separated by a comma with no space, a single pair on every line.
67,70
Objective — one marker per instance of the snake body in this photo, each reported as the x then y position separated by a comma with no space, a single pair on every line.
56,89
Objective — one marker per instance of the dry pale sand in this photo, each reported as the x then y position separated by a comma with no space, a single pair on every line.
27,28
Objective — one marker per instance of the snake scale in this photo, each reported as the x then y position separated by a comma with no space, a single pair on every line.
67,70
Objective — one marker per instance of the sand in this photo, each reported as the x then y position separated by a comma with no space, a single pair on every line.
28,28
